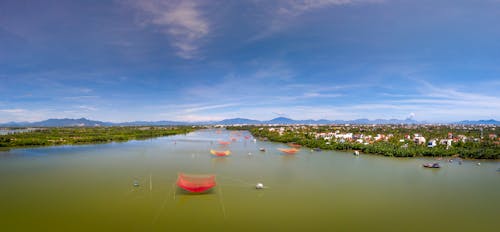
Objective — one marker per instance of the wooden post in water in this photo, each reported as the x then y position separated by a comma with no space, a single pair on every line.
150,182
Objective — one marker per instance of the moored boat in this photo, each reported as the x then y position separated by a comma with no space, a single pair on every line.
431,165
289,151
224,143
294,145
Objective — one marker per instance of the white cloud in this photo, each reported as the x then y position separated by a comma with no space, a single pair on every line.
13,111
87,108
198,118
85,90
306,96
283,13
298,7
209,107
81,98
181,21
9,115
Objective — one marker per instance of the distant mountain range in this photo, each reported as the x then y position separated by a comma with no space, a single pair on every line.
83,122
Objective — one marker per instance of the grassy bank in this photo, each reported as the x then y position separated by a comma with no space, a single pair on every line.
86,135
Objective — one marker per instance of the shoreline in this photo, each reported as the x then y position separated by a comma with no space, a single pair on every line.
85,136
472,151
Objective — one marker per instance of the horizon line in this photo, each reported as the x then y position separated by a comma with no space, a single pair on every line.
267,120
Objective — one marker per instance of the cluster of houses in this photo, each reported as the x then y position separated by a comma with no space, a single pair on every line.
342,137
351,137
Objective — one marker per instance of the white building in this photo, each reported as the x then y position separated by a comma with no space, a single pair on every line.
432,143
419,140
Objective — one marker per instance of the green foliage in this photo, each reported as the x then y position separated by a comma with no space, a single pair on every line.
481,149
86,135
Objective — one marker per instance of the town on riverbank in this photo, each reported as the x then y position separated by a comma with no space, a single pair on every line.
464,141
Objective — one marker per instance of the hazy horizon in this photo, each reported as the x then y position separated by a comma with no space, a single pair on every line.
152,60
264,120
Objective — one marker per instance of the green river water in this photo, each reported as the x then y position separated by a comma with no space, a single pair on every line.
91,188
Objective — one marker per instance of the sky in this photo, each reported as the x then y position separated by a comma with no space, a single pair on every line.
117,61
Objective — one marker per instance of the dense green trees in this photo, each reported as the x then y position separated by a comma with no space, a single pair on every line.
85,135
481,149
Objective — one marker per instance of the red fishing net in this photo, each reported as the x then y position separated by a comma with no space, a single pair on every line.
196,183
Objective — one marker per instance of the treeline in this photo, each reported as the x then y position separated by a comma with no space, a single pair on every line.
485,149
87,135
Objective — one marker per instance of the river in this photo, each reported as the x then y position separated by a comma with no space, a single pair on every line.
91,188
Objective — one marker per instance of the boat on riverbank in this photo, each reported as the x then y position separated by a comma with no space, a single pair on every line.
294,145
224,143
289,151
431,165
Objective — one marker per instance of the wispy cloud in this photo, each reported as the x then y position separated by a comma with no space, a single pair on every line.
309,95
82,97
283,13
181,21
9,115
209,107
298,7
13,111
87,108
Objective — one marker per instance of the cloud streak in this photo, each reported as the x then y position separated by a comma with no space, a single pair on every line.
181,21
284,12
298,7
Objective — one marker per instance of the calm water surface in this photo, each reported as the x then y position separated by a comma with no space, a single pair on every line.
90,188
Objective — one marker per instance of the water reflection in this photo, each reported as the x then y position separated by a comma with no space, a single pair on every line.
92,186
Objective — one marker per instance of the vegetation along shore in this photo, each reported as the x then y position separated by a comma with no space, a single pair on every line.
84,135
470,142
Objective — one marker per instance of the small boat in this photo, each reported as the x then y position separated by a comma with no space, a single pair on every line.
262,149
290,151
356,152
196,183
220,153
431,165
294,145
317,149
224,143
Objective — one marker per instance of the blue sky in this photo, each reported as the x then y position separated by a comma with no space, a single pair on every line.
118,61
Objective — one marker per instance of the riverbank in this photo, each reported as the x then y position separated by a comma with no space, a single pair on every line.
392,147
86,135
91,188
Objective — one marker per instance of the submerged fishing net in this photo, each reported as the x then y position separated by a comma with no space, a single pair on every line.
220,153
196,183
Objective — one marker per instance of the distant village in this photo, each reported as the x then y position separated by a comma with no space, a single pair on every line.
402,140
369,134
